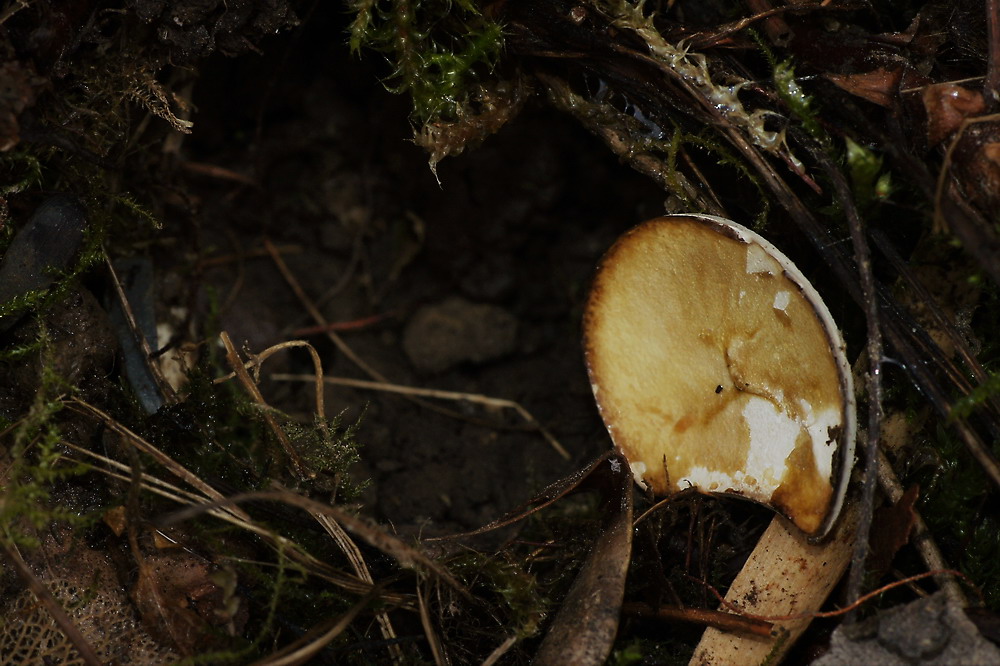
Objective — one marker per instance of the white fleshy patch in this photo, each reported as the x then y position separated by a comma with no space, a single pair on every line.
709,480
759,261
781,300
772,439
819,426
638,471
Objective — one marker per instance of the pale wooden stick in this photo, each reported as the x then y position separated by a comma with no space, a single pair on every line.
475,398
784,576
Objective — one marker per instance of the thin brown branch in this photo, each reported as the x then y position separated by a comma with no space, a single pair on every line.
991,86
921,537
710,618
836,613
862,257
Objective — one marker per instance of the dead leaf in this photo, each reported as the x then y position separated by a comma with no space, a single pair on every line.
947,106
584,630
181,600
878,86
891,530
976,162
115,519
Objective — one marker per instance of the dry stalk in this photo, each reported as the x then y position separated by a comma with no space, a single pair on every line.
236,363
433,640
500,651
475,398
167,392
317,638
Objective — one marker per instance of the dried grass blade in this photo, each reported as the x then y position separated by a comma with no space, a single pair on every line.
433,640
357,560
166,390
475,398
169,463
317,638
236,363
407,556
500,651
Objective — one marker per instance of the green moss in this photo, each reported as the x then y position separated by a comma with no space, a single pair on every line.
801,105
64,282
438,50
329,449
958,503
21,171
870,185
508,593
967,404
216,432
37,464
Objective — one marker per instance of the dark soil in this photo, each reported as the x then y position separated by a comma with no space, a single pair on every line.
513,231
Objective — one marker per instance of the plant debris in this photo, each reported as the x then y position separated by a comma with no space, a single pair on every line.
252,454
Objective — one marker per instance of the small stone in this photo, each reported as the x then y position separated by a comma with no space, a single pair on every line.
41,250
930,631
440,336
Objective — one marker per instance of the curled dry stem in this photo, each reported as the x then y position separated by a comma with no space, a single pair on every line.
407,556
317,638
475,398
237,364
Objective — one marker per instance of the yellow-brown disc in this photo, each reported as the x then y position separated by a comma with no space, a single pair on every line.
715,364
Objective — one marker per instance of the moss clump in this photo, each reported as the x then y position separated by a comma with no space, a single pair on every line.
36,463
438,50
329,448
870,184
959,505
